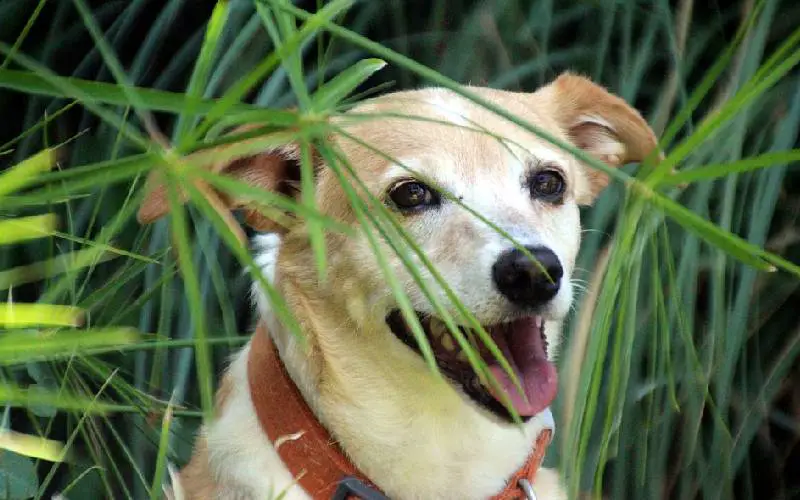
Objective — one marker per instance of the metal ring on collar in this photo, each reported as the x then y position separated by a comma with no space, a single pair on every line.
527,489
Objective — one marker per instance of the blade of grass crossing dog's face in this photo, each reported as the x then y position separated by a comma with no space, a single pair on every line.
410,316
444,192
362,215
477,363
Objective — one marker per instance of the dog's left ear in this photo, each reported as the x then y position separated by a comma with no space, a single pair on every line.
601,124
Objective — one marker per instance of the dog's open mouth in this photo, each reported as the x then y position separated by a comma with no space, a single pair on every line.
523,344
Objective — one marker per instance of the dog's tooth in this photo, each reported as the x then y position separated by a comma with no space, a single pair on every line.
447,342
437,328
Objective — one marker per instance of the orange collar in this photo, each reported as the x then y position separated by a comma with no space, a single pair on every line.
306,448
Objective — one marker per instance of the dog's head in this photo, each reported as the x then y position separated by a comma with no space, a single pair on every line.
433,160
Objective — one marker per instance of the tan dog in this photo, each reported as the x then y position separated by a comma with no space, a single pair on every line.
411,434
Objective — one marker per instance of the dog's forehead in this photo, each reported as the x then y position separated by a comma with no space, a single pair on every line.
435,128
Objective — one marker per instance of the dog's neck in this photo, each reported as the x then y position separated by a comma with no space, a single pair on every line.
401,425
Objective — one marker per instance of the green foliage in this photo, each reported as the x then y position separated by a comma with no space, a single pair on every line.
679,367
17,476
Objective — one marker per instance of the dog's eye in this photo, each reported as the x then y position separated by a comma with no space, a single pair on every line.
547,185
411,195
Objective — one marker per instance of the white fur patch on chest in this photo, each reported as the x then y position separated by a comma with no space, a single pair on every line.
243,461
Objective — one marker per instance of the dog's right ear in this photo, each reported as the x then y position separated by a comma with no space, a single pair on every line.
276,170
600,123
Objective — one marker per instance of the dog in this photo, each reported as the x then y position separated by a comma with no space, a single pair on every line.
357,378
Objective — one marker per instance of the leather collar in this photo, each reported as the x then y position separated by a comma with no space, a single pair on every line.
305,446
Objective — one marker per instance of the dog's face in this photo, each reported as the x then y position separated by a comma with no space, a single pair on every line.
433,160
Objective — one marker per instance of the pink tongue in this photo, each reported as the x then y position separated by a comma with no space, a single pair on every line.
522,345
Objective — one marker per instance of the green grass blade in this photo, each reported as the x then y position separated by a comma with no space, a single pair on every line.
21,315
202,68
329,95
712,172
25,347
26,172
27,228
192,287
163,451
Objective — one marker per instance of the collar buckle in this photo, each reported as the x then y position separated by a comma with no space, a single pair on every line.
351,487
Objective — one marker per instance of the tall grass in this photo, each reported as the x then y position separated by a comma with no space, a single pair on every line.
679,371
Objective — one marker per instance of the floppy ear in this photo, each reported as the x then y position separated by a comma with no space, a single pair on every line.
277,170
601,124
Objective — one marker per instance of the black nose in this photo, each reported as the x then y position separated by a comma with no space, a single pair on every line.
525,282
